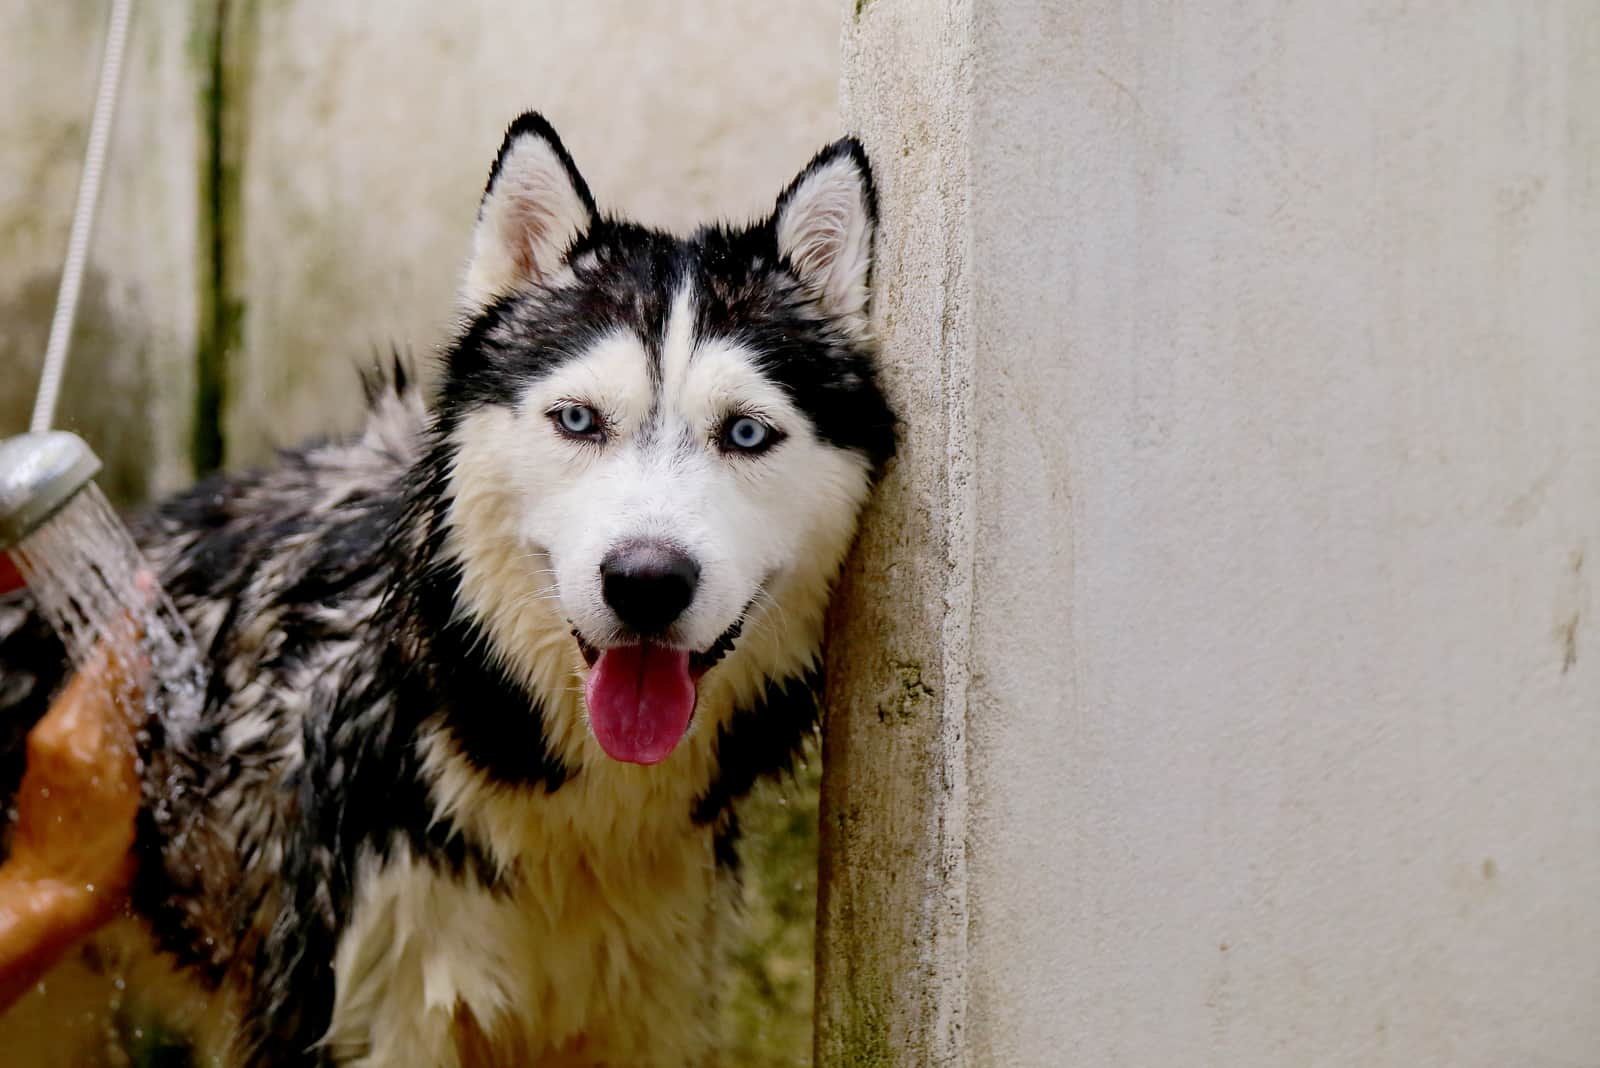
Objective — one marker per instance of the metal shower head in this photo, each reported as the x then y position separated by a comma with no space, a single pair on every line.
39,473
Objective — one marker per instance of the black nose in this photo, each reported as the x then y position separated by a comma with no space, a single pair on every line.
648,584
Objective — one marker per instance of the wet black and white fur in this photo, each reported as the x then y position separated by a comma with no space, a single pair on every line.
393,838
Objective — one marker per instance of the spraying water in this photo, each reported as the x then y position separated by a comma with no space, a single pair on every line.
84,570
87,576
94,587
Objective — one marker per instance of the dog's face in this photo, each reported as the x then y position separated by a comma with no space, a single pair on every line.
661,443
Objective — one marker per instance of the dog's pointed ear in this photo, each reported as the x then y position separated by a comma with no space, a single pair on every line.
824,224
534,208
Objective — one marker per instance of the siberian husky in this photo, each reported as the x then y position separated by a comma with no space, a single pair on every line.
489,680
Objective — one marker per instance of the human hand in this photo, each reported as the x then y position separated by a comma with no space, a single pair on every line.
80,792
71,862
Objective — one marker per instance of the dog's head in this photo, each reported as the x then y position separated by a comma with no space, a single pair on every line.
660,443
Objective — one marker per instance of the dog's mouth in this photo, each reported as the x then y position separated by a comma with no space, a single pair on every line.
641,695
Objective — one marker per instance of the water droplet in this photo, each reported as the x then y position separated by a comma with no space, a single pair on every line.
90,583
89,887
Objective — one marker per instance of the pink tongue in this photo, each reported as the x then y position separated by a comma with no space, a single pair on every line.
640,698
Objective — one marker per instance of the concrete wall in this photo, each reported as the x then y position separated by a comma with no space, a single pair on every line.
1237,581
892,912
362,139
129,384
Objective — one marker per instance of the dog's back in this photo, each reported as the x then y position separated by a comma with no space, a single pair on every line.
278,573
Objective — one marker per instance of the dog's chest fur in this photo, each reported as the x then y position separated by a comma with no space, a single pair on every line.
595,945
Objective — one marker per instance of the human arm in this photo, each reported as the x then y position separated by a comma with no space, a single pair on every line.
71,860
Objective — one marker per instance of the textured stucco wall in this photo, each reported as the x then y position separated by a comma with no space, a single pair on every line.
363,137
892,914
1275,484
129,383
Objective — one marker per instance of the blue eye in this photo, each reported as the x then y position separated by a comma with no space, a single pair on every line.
578,420
748,434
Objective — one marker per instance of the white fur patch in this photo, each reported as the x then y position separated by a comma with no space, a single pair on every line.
584,956
825,231
530,217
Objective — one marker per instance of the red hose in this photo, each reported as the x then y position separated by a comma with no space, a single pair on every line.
10,577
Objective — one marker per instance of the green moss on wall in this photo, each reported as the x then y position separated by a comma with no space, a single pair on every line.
219,48
767,990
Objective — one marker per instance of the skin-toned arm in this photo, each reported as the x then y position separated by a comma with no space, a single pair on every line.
71,862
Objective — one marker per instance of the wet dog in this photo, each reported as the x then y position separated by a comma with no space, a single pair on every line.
488,681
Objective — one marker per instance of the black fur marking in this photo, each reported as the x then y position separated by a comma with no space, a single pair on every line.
533,124
845,147
725,842
746,294
708,658
498,725
760,741
499,729
626,287
359,788
380,379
